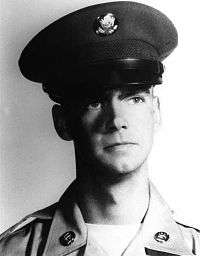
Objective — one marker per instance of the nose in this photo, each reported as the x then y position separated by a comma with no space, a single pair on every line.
116,119
120,123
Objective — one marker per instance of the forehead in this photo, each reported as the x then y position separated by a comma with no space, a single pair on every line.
81,98
102,93
125,91
119,93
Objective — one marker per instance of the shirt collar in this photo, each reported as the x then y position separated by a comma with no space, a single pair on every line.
158,218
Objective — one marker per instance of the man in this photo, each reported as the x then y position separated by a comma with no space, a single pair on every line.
100,65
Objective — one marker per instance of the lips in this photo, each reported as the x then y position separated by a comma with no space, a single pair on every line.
113,145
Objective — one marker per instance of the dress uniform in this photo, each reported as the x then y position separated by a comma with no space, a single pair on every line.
60,230
109,45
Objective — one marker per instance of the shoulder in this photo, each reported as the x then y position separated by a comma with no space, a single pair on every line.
188,230
191,236
33,226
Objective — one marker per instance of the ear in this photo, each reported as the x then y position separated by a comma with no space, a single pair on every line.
156,112
61,125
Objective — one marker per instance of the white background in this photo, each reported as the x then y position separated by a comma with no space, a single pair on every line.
36,166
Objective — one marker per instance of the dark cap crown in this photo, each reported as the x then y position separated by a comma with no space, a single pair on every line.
112,36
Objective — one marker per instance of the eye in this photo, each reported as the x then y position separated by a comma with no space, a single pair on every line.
136,99
94,106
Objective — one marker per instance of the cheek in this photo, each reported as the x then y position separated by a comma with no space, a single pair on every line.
87,134
141,124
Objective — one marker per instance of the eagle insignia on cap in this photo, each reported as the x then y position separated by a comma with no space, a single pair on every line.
105,24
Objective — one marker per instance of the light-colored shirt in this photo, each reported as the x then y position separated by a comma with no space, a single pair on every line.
114,239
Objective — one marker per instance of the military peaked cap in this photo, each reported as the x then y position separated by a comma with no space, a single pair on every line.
105,45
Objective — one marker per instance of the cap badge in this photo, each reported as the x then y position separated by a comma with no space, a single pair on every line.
161,237
105,25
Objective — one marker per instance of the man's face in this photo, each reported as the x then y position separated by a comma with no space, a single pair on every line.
115,131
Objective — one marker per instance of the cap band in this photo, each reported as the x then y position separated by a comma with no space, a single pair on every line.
104,75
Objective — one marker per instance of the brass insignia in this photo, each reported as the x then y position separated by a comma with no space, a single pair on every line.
106,25
161,237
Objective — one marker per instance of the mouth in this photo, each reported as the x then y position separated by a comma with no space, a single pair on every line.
123,145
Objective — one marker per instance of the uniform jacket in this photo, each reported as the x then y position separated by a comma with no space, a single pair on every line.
59,230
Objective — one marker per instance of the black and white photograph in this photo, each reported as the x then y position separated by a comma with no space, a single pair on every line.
99,128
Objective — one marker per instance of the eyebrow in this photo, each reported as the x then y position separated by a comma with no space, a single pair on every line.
135,91
125,92
105,95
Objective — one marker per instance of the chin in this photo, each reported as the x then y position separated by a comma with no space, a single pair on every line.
123,164
127,167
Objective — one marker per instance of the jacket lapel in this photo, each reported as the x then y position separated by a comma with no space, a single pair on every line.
158,223
67,218
158,220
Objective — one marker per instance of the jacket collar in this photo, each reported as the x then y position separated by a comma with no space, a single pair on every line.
67,218
158,219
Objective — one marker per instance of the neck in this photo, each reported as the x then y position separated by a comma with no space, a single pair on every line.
122,202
